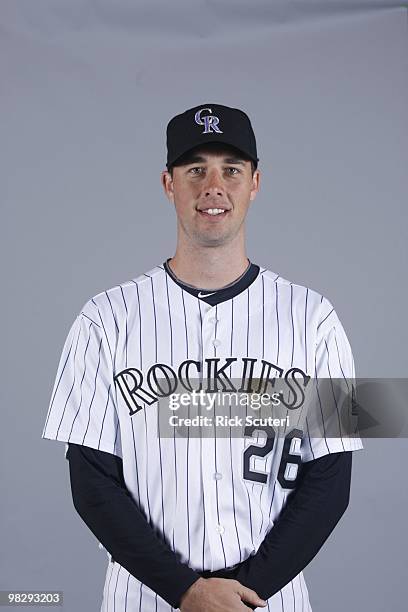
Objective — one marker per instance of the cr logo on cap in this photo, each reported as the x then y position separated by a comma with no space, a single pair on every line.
209,121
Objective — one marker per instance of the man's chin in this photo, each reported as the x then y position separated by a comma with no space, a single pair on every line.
213,241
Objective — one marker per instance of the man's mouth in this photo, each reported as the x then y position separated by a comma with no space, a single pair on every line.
214,211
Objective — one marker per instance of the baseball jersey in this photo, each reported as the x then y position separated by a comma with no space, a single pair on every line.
212,499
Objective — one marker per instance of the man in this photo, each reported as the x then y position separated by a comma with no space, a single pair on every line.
196,522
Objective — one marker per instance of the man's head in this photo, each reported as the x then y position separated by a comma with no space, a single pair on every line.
210,169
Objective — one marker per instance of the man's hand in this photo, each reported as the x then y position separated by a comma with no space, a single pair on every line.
219,595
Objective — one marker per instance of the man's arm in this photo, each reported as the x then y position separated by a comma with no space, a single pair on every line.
103,502
303,526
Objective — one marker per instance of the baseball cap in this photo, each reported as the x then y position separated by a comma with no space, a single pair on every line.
210,123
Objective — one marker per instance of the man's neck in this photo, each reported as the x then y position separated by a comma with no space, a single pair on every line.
210,271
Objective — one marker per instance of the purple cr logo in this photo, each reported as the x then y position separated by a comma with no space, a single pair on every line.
210,122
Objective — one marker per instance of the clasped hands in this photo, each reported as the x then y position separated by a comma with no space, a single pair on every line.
219,595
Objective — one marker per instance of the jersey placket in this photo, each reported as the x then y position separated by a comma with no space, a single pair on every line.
211,473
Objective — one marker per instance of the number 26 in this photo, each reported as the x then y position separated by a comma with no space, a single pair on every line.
262,451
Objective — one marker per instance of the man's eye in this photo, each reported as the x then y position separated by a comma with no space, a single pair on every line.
196,170
233,171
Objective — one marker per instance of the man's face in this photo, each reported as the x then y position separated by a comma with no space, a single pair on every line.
212,179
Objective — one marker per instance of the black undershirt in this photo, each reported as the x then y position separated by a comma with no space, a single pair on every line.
103,501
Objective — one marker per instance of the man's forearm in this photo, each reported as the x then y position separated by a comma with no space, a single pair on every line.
302,528
118,523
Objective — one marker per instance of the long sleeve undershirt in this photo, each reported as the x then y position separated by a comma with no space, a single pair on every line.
104,503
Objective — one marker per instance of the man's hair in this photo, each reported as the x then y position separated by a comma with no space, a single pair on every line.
185,159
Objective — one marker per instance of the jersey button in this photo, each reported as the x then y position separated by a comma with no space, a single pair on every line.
220,529
216,342
214,320
217,475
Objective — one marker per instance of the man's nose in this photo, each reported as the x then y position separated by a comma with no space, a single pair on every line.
213,185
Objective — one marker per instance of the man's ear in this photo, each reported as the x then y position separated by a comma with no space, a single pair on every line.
167,183
256,178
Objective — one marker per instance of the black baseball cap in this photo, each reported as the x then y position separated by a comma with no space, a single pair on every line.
210,123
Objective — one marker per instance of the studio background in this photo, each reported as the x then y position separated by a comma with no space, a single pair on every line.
87,89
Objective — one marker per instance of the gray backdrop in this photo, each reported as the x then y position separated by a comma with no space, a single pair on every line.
87,88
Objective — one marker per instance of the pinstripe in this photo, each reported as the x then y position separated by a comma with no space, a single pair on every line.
333,393
127,589
93,396
105,588
339,360
215,450
116,586
140,597
246,414
293,342
170,325
104,330
174,432
308,439
263,356
155,319
147,472
141,366
140,328
82,314
136,466
126,326
345,380
58,383
203,504
201,374
104,416
230,440
301,591
175,480
233,499
325,318
277,361
73,383
113,314
272,498
185,322
115,443
108,589
188,439
158,422
320,406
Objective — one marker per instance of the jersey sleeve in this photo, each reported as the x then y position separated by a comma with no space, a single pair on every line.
82,406
331,421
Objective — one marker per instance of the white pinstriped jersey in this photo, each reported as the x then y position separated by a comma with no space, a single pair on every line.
193,489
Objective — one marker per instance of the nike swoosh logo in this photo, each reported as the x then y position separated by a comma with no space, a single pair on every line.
200,295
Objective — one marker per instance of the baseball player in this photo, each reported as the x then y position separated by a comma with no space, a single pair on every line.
194,522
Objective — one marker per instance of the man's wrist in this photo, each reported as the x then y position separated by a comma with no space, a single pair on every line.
188,592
